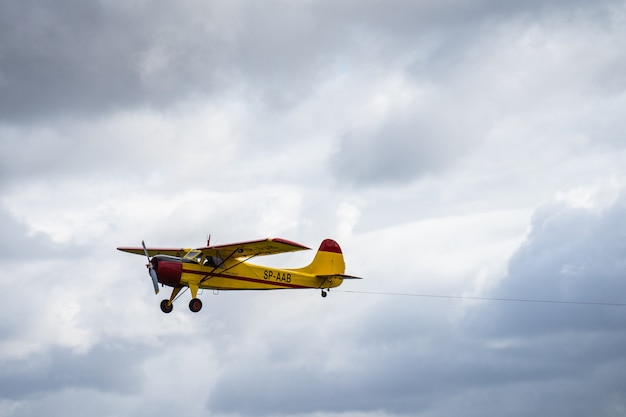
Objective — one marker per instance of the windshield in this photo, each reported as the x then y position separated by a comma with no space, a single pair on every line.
194,255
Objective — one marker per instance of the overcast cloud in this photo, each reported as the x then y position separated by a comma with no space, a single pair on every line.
454,148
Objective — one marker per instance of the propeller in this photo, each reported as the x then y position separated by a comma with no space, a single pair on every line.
151,270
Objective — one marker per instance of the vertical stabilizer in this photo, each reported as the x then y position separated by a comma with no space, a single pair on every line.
328,260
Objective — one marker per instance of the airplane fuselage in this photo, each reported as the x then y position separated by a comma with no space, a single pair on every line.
234,275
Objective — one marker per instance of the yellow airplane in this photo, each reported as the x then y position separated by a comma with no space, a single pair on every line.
226,267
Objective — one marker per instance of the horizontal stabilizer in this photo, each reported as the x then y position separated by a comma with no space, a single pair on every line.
340,276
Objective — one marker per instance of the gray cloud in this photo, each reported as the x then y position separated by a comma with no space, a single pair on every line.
424,369
109,368
469,83
87,58
572,254
19,244
406,148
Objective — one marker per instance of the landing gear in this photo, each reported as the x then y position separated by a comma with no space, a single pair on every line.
166,306
195,305
324,293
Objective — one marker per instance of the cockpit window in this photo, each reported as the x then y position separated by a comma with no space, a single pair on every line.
214,261
194,255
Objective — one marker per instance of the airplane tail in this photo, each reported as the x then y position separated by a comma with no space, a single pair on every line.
328,260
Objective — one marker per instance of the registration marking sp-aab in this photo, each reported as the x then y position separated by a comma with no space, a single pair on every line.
227,267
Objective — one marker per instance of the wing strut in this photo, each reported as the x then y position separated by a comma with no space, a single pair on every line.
223,261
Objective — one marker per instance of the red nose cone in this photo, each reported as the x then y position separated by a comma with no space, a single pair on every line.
330,245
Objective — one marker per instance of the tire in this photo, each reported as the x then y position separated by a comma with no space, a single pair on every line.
166,307
195,305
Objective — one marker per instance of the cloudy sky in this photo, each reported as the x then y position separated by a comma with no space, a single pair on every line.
468,149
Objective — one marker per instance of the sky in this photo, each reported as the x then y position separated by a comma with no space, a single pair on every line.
463,153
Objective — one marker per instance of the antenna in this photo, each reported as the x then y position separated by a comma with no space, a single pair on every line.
208,240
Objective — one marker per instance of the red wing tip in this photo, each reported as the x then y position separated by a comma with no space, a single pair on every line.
329,245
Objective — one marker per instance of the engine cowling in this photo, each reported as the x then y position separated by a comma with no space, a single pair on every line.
168,269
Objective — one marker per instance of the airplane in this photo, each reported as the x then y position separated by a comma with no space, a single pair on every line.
226,267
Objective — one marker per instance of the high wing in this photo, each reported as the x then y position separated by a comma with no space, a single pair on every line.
232,250
253,248
179,252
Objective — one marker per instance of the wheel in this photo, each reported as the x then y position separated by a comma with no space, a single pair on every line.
324,293
195,305
166,307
